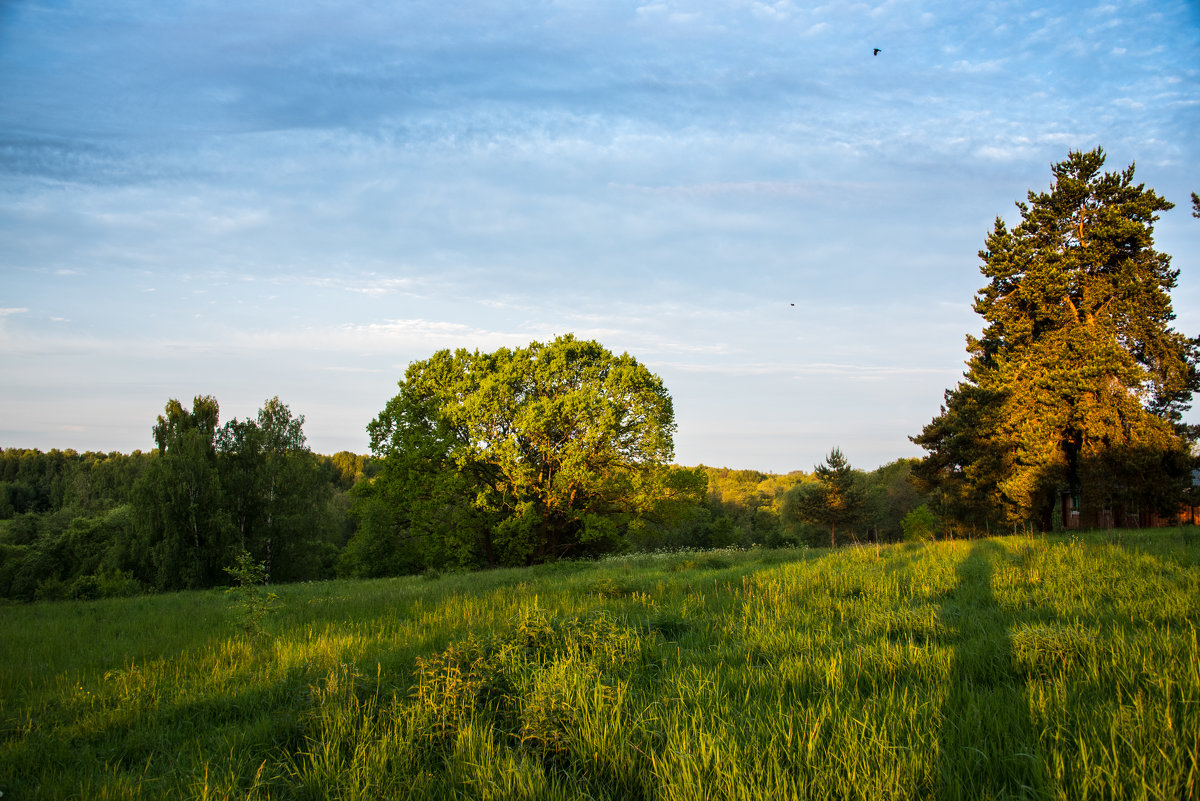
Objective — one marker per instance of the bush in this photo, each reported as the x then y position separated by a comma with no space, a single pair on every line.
84,588
919,524
52,588
118,584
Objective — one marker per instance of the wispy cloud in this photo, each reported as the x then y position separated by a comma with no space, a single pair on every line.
804,370
384,286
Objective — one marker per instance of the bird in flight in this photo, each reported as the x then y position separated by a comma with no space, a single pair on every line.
877,52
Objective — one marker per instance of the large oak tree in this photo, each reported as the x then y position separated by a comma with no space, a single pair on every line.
1076,386
514,456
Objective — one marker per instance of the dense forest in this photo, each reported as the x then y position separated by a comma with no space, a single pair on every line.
102,524
86,525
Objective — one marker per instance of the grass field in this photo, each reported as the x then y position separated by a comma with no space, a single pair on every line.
1057,667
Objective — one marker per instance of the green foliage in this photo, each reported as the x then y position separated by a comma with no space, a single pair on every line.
172,518
351,468
835,499
253,601
250,485
34,483
679,517
379,546
185,531
521,455
15,498
888,496
919,525
746,508
117,584
276,494
1078,382
96,525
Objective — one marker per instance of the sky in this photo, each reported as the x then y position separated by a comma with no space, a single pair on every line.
299,199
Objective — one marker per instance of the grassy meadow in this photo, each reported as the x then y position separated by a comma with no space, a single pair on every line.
1019,667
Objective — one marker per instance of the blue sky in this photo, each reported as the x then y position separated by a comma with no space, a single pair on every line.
300,198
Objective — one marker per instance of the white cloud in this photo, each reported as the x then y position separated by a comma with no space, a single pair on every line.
383,286
977,67
792,188
1128,103
801,370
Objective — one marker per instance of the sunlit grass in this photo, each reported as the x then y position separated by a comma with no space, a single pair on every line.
1058,667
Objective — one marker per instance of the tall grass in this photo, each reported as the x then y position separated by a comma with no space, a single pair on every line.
1009,668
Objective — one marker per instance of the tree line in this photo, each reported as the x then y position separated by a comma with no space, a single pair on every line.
102,524
88,525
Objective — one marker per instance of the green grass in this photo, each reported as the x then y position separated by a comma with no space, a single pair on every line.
1007,668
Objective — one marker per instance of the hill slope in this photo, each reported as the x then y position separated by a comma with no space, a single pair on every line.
996,668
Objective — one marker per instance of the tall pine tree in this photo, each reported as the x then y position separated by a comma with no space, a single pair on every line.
1076,387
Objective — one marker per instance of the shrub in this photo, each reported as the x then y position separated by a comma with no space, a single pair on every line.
918,525
118,584
84,588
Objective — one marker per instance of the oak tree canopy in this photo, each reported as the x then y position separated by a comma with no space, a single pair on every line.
516,456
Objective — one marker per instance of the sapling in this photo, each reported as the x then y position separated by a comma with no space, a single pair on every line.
253,600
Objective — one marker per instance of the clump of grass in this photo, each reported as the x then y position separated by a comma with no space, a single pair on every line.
919,625
491,677
704,562
608,587
455,683
544,691
1049,649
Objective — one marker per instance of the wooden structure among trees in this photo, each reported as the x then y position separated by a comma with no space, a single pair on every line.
1112,516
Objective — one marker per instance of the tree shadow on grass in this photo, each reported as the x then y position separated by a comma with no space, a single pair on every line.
988,747
162,742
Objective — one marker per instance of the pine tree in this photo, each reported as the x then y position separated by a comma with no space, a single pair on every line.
1077,383
834,499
